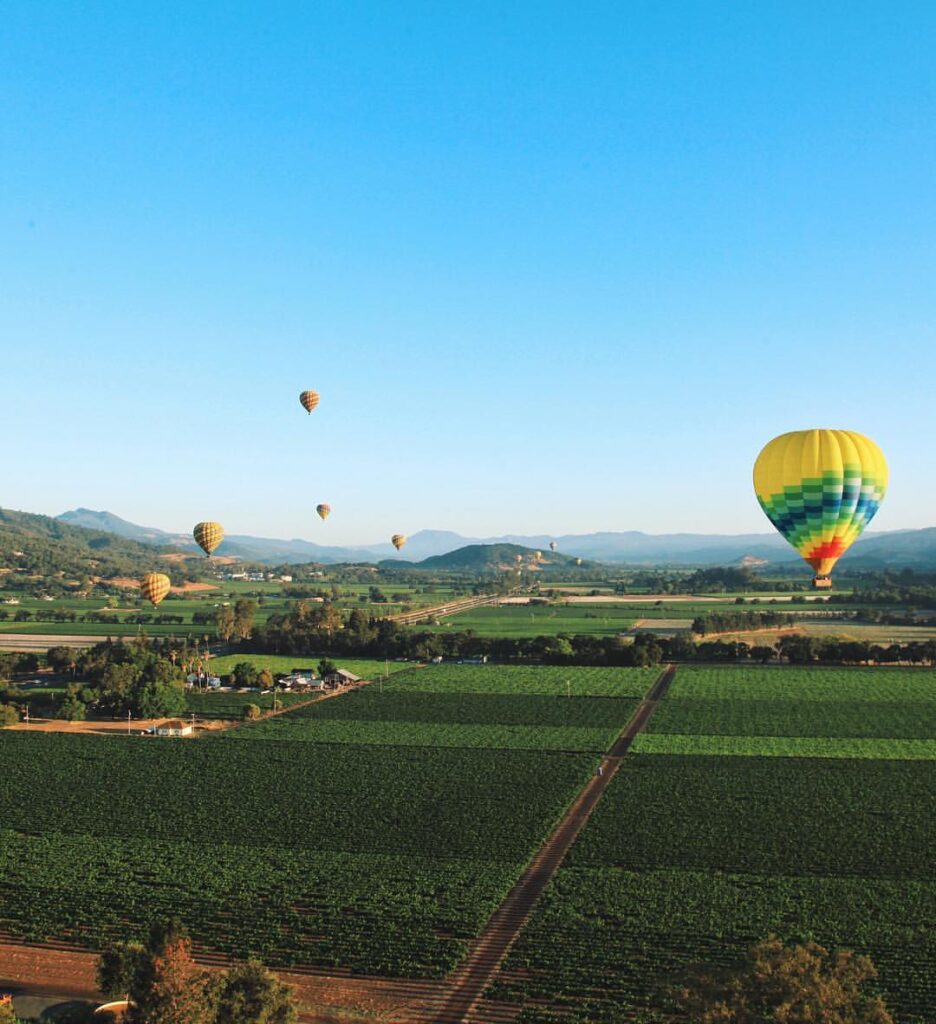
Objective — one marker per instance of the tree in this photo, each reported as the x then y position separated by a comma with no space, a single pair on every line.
251,712
244,610
178,990
781,984
264,679
244,673
249,994
326,667
72,709
8,716
224,622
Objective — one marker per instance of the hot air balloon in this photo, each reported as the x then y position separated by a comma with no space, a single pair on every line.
820,489
552,545
398,540
578,561
154,586
309,400
208,536
323,510
538,555
518,559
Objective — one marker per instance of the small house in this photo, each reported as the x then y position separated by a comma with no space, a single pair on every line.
341,677
174,727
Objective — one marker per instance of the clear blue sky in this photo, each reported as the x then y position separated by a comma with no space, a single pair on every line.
553,267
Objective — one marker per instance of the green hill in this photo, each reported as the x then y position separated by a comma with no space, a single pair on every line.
32,545
482,557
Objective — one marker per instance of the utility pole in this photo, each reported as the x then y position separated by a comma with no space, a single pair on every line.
128,723
568,687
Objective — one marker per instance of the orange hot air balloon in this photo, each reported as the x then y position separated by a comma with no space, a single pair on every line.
323,510
208,536
398,540
154,586
309,400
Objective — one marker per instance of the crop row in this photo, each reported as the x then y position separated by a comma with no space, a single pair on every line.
841,718
400,715
474,804
785,746
785,816
782,683
607,945
373,914
544,680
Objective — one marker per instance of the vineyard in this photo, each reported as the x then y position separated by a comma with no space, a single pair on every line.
542,680
396,714
376,857
819,824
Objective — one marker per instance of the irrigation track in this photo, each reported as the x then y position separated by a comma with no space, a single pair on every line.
459,999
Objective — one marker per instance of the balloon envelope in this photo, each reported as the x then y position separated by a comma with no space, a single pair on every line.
820,489
309,400
154,586
398,540
208,536
323,510
552,545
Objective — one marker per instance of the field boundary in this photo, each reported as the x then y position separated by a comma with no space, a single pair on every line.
460,996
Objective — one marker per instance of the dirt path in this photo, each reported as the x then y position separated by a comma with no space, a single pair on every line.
461,995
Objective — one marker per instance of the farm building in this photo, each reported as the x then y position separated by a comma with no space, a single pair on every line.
341,677
174,727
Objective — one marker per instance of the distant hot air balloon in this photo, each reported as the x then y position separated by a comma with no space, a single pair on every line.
154,586
552,545
323,510
398,540
208,536
309,400
518,559
820,489
538,555
578,561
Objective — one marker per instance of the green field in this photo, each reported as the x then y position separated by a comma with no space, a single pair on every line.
366,668
535,680
798,802
231,705
525,621
396,714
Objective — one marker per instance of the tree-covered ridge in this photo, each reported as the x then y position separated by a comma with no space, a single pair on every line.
33,545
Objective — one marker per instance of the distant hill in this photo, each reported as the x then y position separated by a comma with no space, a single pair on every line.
479,557
898,549
41,545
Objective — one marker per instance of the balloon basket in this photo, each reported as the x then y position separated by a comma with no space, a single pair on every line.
822,583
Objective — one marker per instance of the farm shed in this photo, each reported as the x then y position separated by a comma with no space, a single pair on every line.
341,677
174,727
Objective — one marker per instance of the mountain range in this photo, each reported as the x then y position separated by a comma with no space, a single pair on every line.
896,549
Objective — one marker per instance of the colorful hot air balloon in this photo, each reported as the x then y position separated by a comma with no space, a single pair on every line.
208,536
154,586
552,545
309,400
398,540
820,489
323,510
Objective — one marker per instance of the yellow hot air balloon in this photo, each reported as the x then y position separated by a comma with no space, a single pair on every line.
323,510
820,489
578,561
398,540
538,555
208,536
309,400
154,586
